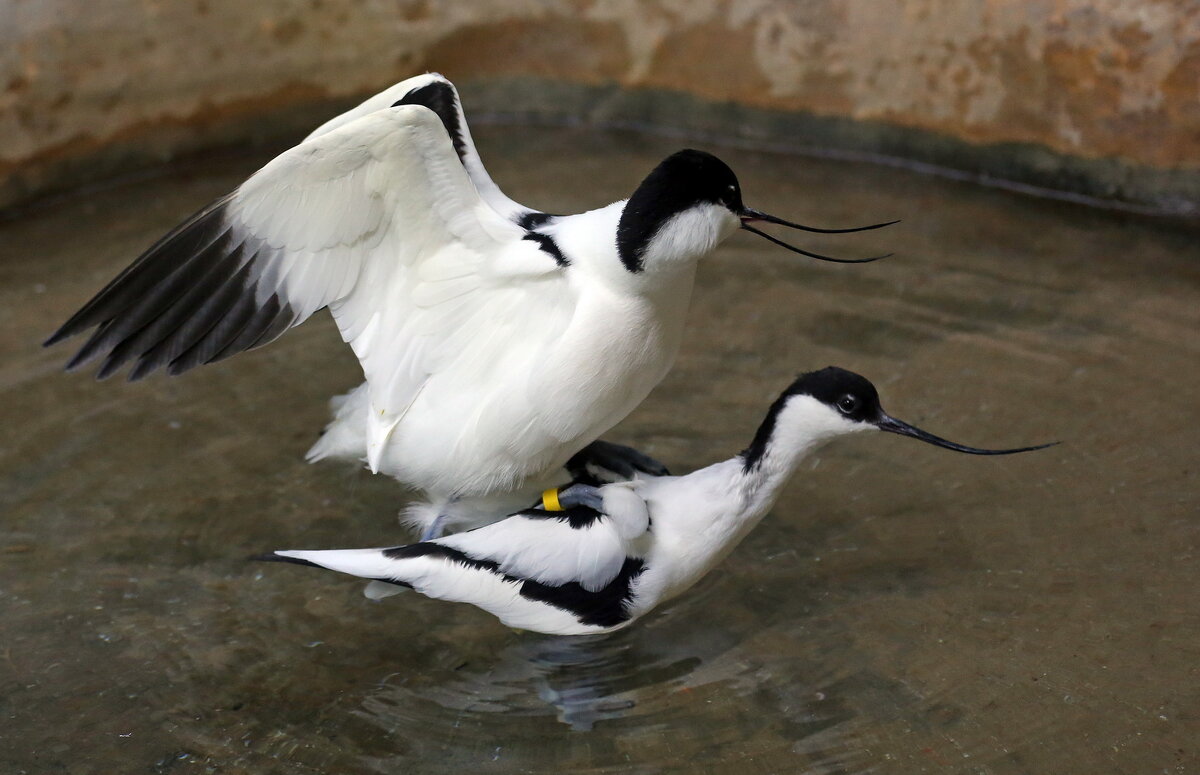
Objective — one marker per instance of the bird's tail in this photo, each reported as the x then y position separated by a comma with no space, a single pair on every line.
371,564
345,437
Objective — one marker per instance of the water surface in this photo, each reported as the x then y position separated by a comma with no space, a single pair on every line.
903,609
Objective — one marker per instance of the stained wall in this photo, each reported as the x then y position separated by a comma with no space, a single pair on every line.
1100,97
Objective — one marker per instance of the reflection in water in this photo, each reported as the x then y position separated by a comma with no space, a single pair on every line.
579,680
638,689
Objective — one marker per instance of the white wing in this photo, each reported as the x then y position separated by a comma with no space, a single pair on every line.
376,219
435,92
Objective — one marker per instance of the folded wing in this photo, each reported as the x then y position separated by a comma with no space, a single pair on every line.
577,547
554,548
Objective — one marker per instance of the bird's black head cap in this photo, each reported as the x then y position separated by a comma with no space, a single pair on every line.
854,398
851,395
683,180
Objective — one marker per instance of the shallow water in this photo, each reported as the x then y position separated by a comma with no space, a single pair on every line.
903,609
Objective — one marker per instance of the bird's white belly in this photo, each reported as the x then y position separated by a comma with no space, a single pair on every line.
468,434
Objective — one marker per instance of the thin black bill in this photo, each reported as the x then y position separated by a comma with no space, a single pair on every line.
748,215
892,425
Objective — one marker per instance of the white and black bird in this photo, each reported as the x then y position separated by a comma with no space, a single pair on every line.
496,341
618,551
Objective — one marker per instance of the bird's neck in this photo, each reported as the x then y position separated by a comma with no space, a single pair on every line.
699,518
648,244
589,242
793,428
760,482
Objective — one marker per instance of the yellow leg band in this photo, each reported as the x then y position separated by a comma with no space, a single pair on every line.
550,500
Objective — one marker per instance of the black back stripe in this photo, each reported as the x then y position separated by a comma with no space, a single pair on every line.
441,99
606,607
578,517
429,549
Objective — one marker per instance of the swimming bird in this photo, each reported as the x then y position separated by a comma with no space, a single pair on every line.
592,560
496,341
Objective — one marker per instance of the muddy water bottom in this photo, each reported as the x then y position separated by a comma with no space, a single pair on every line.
903,609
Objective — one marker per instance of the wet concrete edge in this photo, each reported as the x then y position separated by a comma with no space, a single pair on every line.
1028,168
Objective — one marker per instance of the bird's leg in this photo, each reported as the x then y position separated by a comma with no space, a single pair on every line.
573,495
435,528
624,462
438,525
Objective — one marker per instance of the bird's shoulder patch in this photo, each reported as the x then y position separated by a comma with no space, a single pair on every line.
547,245
578,517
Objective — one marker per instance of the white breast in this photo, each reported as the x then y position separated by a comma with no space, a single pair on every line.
515,413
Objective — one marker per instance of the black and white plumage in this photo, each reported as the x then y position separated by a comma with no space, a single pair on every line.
496,341
588,570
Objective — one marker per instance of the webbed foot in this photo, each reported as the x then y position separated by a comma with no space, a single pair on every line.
618,461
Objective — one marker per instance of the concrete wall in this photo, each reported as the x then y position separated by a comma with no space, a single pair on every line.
1099,97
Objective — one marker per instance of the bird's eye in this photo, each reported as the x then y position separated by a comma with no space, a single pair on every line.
847,404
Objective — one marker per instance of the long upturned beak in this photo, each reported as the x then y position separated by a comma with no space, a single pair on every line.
892,425
748,215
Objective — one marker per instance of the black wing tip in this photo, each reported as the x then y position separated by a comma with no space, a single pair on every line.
175,368
135,317
79,360
274,557
141,370
62,334
108,368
